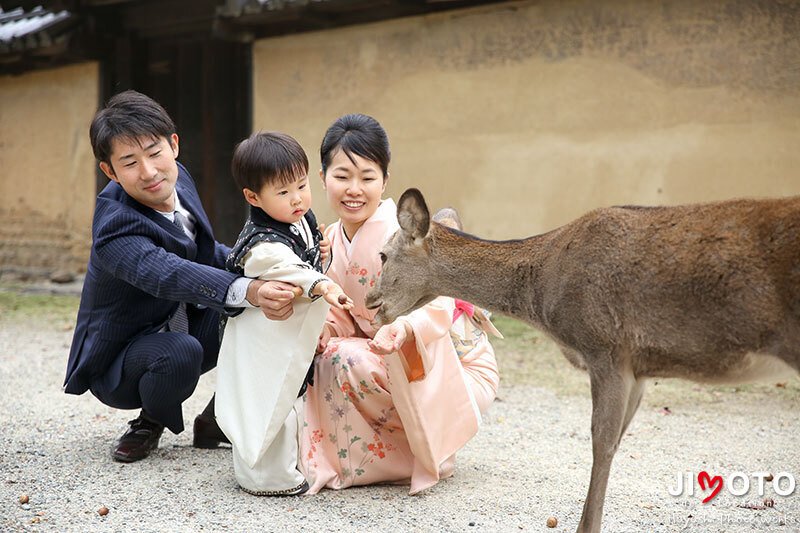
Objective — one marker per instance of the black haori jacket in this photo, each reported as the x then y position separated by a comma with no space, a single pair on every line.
260,227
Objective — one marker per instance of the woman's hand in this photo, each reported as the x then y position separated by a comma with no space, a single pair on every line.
391,337
324,338
324,245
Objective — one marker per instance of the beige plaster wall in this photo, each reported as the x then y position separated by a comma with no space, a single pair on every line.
526,115
47,178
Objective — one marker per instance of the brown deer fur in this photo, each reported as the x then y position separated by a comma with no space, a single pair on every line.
706,292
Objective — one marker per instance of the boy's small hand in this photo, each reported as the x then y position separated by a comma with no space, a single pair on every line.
324,245
335,296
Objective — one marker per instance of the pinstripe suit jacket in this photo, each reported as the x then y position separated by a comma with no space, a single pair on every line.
141,266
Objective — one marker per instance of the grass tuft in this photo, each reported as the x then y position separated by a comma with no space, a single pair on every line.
527,356
16,306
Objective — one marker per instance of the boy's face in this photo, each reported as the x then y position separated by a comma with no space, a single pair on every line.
146,169
285,203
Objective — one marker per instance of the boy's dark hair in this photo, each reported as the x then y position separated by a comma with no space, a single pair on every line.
268,157
128,115
356,134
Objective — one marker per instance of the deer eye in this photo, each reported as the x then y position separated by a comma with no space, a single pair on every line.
383,257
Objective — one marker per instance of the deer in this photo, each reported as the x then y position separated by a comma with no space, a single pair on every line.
705,292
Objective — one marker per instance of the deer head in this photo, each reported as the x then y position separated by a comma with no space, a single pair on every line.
406,277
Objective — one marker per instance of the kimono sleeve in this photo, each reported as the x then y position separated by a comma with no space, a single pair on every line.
429,323
273,261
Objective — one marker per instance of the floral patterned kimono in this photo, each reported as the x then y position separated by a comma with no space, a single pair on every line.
398,418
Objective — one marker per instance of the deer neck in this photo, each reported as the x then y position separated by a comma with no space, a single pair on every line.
461,262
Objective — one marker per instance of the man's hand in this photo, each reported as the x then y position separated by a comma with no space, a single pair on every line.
391,337
273,297
324,245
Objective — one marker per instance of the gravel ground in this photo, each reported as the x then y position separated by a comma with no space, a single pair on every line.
531,460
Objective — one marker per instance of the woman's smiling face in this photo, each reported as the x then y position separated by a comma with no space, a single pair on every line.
354,188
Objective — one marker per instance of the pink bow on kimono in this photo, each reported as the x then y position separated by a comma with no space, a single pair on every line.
463,307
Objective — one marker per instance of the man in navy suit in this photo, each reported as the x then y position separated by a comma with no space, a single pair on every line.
148,322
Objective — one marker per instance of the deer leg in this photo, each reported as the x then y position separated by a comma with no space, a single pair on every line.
611,403
634,399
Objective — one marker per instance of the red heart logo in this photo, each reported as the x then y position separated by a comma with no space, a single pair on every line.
704,478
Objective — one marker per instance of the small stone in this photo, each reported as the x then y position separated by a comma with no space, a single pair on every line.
472,523
102,511
769,477
24,499
552,522
62,276
35,520
342,299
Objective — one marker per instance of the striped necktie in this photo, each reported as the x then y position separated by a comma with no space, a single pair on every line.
179,321
181,221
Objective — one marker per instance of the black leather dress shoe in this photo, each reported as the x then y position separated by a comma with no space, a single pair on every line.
139,440
207,433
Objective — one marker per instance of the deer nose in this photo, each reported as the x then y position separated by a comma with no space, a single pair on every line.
373,300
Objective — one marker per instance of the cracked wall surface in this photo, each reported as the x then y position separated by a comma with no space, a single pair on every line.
528,114
47,176
522,115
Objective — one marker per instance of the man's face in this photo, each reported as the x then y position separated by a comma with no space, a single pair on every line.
146,168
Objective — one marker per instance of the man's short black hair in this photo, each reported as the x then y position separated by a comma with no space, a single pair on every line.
129,115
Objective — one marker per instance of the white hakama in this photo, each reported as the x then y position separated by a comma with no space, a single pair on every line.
261,367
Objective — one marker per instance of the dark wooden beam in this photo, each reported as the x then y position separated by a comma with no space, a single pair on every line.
313,16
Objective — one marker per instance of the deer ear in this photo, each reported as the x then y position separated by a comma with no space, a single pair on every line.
448,216
413,214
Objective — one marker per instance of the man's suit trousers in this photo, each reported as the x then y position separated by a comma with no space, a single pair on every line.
161,370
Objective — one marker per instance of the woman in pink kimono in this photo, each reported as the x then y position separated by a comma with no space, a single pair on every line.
390,404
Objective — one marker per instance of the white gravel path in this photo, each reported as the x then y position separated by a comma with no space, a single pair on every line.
531,460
